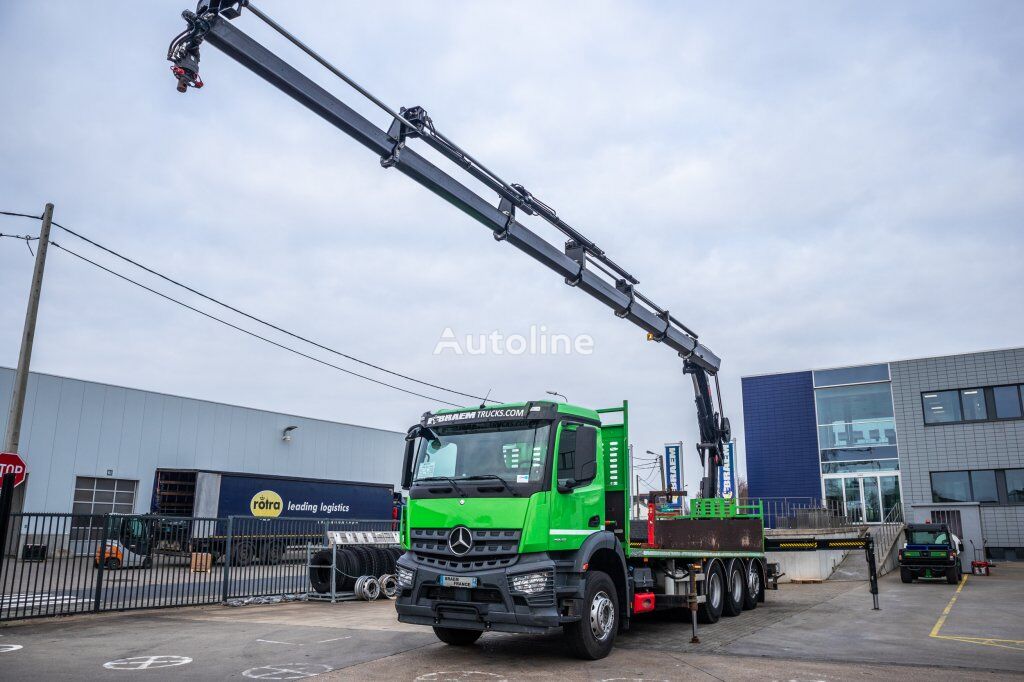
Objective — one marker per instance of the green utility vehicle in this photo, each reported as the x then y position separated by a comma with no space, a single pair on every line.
518,521
930,551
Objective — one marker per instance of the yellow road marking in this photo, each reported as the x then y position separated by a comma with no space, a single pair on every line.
949,607
1015,644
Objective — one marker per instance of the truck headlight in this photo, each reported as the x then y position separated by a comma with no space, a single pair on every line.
531,583
404,576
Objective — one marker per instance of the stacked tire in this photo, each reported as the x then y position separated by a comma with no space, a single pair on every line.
350,564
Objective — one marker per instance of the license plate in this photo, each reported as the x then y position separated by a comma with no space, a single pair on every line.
457,581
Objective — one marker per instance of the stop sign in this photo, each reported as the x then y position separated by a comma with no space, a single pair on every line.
11,463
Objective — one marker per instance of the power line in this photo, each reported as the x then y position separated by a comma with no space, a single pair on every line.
250,316
243,330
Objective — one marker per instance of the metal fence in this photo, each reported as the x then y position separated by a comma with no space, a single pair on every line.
805,513
55,564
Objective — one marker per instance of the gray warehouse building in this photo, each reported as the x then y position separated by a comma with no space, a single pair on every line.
96,448
938,439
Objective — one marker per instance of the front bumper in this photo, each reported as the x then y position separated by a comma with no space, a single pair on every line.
493,604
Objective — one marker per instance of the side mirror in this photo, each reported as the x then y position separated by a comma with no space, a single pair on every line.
410,449
566,485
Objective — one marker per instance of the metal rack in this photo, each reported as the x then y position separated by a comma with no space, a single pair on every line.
363,590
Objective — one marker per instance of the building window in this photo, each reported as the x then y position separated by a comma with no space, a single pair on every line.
854,454
983,486
1007,402
965,486
941,407
951,486
973,401
104,496
1015,486
855,416
850,375
972,404
867,465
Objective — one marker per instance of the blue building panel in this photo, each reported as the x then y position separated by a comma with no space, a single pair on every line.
781,436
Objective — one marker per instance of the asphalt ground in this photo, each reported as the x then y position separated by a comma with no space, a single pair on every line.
924,631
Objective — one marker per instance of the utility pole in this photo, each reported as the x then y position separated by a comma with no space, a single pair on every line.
12,439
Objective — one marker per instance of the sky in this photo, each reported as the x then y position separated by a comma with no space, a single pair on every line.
804,184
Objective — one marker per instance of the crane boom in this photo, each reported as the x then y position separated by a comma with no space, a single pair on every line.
603,280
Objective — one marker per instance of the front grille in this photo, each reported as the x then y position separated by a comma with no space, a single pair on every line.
492,548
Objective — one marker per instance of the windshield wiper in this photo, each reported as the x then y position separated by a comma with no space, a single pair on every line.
442,478
494,477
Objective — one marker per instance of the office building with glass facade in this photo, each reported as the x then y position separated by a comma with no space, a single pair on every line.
930,438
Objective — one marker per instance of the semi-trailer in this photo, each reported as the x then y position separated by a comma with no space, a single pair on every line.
196,511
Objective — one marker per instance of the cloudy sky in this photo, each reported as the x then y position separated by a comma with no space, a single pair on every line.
805,185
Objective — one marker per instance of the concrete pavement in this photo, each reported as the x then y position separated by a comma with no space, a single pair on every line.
825,631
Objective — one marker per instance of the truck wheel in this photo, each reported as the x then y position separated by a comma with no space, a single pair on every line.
147,562
714,592
952,576
457,637
906,575
735,592
243,553
112,564
272,553
755,585
593,636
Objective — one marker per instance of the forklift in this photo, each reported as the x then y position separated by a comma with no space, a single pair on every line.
129,542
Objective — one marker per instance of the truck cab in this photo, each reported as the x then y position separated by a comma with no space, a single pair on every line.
516,522
931,550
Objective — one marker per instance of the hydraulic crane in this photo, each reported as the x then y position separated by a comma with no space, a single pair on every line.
582,263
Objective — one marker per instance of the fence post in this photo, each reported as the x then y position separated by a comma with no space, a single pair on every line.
6,498
102,560
227,558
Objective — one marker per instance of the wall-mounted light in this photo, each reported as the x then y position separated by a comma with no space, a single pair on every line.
286,435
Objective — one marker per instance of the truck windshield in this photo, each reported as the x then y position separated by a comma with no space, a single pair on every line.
509,451
928,537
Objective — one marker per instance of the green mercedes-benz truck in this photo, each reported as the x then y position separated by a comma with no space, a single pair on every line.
518,521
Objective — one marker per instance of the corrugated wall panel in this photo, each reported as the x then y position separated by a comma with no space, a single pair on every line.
781,436
78,428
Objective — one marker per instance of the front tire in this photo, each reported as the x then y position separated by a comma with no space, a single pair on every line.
714,595
735,592
593,636
457,637
906,575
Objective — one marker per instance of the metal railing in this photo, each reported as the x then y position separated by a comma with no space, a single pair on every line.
56,564
885,535
804,513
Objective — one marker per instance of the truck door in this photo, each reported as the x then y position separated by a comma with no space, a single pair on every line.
577,499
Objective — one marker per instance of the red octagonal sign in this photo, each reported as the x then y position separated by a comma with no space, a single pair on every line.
11,463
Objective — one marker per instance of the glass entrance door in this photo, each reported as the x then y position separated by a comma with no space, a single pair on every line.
863,498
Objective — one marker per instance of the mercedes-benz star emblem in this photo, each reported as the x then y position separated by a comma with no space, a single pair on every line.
460,541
